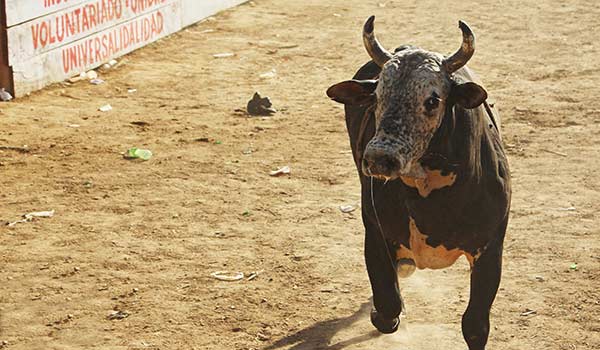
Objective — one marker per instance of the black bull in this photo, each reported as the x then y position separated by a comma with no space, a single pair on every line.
467,216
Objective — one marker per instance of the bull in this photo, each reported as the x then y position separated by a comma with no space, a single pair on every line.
435,180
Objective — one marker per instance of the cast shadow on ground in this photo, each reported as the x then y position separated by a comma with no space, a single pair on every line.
319,335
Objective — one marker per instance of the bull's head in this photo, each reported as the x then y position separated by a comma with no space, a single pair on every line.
414,90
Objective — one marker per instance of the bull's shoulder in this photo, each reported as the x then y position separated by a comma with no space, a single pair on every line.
489,108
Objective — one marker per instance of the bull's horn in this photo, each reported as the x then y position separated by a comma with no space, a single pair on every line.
374,48
464,54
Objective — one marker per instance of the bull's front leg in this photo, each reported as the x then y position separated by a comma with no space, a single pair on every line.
485,280
387,301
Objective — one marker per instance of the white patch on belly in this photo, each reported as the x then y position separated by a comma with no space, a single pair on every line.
426,256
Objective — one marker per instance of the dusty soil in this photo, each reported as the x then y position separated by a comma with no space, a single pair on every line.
144,237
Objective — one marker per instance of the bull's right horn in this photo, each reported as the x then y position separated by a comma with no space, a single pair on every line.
464,53
379,55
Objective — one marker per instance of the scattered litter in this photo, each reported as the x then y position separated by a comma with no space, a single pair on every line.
528,312
540,278
110,64
254,274
567,209
268,75
281,171
262,337
337,15
91,75
80,77
382,4
246,213
74,125
105,108
138,153
224,55
347,208
259,105
5,96
204,139
227,276
24,149
574,267
288,46
30,216
118,315
140,123
206,31
555,152
96,81
131,91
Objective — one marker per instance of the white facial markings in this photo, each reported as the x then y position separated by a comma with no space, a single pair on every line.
404,124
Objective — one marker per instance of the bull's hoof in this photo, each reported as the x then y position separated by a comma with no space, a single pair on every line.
383,325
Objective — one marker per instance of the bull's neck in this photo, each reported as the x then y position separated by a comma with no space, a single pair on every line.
455,146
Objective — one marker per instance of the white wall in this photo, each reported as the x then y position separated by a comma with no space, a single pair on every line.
52,40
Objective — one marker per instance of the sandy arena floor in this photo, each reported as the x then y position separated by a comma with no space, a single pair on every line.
144,237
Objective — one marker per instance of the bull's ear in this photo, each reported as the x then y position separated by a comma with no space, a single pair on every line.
353,92
468,95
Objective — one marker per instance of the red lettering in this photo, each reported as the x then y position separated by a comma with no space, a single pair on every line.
118,9
146,29
77,15
70,25
82,56
104,13
65,61
51,34
44,34
90,50
161,22
92,13
105,45
60,33
97,49
72,57
85,23
35,30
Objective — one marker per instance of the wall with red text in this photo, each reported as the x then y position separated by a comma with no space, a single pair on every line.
51,40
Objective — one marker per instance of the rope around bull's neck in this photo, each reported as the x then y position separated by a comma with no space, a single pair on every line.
387,248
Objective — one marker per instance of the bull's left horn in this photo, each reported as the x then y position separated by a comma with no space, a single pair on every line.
466,51
374,48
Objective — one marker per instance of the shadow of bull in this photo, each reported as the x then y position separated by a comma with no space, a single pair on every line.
319,335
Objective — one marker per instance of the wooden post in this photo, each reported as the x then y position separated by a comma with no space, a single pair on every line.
6,75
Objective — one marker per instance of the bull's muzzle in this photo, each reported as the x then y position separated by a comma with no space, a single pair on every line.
381,163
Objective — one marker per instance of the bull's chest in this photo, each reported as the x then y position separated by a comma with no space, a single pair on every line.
419,254
434,180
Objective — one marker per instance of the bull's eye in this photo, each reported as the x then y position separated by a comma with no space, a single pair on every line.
432,102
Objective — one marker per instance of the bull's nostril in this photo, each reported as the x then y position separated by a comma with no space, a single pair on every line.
391,163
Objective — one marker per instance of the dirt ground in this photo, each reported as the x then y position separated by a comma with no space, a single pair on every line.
144,237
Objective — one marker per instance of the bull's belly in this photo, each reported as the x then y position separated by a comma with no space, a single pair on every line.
423,256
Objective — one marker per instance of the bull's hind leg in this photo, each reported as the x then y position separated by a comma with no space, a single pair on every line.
384,283
485,279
